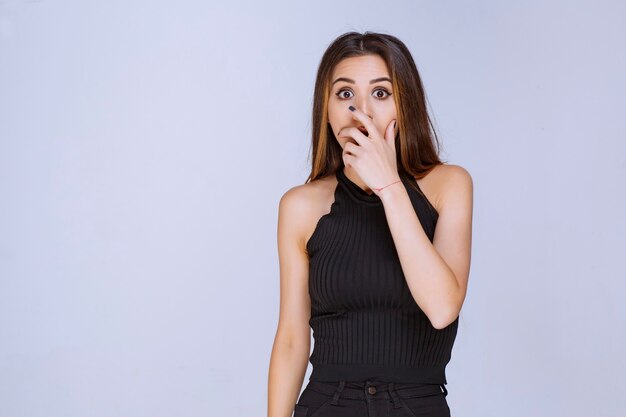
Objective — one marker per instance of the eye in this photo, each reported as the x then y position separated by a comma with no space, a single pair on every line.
344,93
341,93
385,93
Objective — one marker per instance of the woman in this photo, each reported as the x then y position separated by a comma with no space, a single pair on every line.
374,248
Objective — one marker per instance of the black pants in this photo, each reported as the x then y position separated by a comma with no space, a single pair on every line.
372,399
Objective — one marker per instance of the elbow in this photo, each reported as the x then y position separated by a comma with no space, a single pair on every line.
444,321
448,315
442,324
439,324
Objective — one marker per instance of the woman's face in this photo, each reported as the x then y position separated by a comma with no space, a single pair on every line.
363,82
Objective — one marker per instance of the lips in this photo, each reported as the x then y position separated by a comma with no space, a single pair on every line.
363,130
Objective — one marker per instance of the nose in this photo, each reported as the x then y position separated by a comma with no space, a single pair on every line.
362,103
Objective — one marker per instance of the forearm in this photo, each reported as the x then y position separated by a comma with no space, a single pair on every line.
431,281
288,365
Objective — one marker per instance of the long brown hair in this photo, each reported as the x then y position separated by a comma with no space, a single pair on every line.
416,138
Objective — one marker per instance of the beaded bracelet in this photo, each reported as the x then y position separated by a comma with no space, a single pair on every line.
378,189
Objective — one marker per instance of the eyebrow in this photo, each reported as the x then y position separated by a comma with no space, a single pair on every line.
349,80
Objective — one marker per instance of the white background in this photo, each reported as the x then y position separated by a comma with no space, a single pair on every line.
144,147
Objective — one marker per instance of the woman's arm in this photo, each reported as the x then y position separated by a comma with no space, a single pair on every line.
292,342
436,273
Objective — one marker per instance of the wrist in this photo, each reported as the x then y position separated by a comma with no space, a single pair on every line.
387,191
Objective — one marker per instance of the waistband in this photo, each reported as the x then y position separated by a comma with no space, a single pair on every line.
368,390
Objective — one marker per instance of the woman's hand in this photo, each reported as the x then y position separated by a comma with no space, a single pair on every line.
374,158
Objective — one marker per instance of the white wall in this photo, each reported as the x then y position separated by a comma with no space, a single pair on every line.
144,147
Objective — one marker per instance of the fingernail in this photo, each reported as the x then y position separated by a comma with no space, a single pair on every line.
352,108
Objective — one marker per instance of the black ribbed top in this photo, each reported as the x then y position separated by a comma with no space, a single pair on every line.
366,324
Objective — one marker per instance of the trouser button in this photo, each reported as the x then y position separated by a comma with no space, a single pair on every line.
371,390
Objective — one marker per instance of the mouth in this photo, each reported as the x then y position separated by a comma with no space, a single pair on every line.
363,130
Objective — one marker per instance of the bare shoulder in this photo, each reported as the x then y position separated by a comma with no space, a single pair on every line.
444,182
457,184
304,197
302,205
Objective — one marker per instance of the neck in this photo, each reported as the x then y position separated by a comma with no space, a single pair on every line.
354,177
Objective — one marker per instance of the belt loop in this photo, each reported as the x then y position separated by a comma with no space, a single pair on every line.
444,390
394,395
335,400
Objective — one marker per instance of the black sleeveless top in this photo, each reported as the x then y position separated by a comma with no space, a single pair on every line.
366,324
